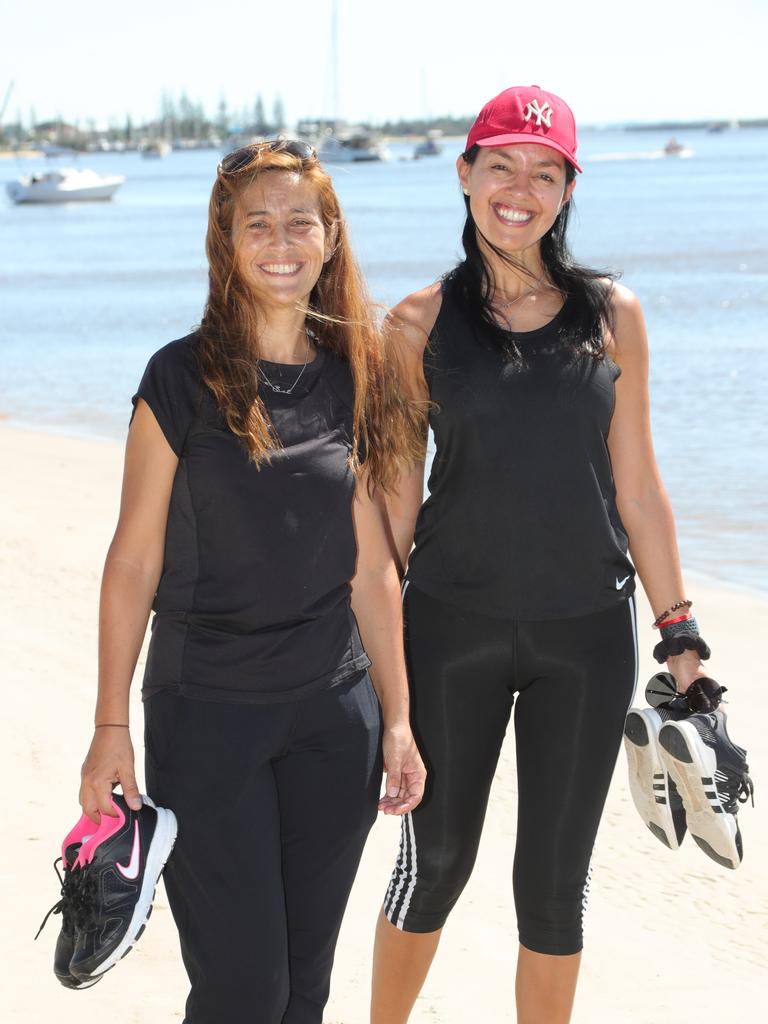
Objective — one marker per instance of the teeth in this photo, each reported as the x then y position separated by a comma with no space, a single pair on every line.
280,268
514,216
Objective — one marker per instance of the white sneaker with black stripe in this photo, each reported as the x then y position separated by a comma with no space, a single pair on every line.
653,792
712,776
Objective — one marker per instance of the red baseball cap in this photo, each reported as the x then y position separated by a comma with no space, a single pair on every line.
526,113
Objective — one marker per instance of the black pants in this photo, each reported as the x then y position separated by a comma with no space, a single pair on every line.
574,680
274,803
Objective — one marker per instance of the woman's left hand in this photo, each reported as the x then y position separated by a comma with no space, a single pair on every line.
404,769
686,668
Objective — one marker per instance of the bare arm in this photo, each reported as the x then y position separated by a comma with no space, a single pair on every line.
377,607
403,505
131,575
641,498
409,326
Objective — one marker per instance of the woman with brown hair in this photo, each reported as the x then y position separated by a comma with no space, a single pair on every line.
251,520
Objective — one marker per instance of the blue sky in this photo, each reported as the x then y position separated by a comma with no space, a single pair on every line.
613,61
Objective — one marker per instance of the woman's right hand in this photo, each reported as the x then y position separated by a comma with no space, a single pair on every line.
109,760
404,768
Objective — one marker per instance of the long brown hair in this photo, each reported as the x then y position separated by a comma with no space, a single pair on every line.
388,429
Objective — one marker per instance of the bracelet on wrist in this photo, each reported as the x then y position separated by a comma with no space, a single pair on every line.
671,622
687,626
685,603
112,725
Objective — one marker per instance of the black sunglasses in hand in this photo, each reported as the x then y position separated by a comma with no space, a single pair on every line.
702,697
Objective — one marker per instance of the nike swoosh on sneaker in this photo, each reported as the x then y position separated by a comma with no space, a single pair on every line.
132,871
620,584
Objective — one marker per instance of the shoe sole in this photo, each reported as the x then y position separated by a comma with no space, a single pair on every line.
691,764
73,983
648,780
159,852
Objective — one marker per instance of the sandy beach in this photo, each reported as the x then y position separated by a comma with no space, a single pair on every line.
670,937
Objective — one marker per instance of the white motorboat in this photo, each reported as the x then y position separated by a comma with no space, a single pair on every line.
64,185
351,147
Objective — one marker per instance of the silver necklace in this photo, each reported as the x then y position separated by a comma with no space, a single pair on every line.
523,295
277,387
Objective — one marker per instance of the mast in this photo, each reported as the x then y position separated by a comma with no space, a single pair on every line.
335,60
7,100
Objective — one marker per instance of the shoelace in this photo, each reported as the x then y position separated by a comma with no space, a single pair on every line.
84,901
85,907
70,886
740,790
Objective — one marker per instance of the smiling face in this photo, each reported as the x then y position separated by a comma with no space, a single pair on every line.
279,238
515,193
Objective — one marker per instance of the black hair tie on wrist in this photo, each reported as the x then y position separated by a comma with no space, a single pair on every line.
674,645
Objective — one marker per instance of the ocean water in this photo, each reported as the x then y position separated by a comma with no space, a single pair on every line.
89,291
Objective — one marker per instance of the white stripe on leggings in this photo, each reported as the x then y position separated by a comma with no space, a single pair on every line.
414,872
407,860
633,619
397,881
633,616
401,869
393,889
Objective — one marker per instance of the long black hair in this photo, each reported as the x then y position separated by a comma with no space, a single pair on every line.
587,291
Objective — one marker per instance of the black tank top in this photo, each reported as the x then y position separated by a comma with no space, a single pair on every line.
521,521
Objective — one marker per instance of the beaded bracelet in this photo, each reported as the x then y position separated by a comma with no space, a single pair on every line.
669,611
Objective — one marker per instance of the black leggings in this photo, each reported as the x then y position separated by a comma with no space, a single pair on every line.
274,804
574,680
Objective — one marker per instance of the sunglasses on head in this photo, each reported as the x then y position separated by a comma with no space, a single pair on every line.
702,696
241,158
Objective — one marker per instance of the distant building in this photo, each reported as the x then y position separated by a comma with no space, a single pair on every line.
59,132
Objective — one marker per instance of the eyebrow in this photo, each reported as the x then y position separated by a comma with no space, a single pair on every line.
539,163
268,213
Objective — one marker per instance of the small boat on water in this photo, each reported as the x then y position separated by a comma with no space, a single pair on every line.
64,185
430,145
674,148
155,150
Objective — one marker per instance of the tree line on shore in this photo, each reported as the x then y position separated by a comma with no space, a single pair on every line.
184,122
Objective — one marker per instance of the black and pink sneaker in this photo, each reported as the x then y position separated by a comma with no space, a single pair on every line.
118,869
70,878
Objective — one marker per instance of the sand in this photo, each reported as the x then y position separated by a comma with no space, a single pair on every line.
670,937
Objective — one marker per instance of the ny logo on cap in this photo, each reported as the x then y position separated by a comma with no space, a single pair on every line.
542,114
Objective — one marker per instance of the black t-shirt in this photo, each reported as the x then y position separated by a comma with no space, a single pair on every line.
253,602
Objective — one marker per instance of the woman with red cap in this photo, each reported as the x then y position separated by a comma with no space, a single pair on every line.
519,587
